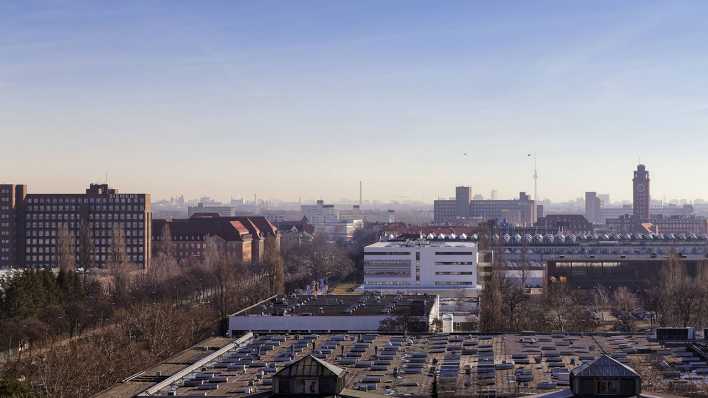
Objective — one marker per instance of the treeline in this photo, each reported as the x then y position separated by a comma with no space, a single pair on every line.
308,261
73,334
37,305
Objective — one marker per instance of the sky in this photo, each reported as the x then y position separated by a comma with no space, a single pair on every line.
303,99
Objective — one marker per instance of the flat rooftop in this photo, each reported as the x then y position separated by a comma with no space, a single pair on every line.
466,364
342,305
140,381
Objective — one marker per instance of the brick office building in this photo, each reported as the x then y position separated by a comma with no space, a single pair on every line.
189,237
241,237
96,214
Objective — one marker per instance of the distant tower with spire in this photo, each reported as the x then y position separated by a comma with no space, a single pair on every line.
641,198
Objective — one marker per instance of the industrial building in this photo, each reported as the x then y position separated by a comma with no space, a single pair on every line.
335,313
587,260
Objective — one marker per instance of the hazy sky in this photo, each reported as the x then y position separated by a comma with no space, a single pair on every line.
296,99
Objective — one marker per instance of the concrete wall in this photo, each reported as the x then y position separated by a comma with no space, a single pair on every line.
284,323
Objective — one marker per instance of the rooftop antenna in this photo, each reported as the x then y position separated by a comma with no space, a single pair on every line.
360,193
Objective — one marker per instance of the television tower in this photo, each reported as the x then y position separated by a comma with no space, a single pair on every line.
360,193
535,177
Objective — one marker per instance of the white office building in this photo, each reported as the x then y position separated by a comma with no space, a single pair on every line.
327,220
446,268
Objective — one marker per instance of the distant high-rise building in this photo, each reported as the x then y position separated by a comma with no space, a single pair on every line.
539,211
462,200
201,208
604,199
444,211
11,196
331,222
641,197
593,204
493,194
521,211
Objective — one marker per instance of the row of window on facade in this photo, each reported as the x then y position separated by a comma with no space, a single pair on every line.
93,208
92,216
99,249
118,199
97,234
52,226
77,242
100,258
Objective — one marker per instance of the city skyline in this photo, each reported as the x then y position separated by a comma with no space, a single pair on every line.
180,99
473,194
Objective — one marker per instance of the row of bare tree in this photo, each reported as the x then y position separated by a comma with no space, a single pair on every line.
75,334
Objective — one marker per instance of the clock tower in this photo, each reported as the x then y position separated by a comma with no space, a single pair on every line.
641,198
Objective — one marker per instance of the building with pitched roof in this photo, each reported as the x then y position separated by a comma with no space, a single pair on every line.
188,238
605,377
309,376
242,237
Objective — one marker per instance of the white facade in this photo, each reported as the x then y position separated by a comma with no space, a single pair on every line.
436,267
223,211
320,213
329,221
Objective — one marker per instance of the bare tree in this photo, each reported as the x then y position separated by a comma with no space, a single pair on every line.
491,302
274,265
625,302
682,296
167,245
221,267
601,300
65,254
86,247
524,263
118,266
568,310
514,297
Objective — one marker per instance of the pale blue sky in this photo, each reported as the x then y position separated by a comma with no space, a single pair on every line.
296,99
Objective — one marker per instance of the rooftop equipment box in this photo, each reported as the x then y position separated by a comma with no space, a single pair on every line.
675,334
